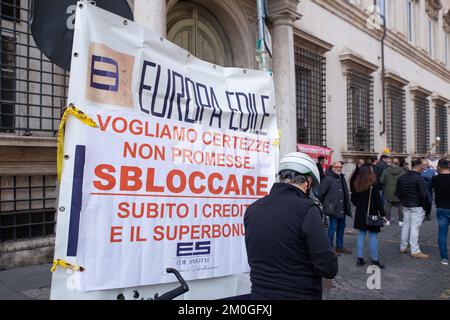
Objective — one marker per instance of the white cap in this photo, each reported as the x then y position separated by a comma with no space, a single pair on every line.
301,163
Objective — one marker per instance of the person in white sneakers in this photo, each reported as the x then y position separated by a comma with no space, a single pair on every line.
412,192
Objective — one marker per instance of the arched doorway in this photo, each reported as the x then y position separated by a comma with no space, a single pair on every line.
197,30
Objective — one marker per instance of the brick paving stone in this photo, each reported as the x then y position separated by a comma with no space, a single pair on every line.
403,278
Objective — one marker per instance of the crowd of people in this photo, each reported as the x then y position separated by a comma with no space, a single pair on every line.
289,250
379,186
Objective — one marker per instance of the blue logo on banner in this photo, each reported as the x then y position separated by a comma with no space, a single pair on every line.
185,249
104,73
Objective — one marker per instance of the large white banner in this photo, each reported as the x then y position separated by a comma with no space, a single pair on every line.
182,148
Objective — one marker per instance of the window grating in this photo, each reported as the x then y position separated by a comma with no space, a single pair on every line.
10,10
310,97
359,111
422,124
442,129
33,90
395,120
27,207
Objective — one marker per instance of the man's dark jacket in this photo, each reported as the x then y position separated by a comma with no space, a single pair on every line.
287,246
334,196
379,169
321,173
412,190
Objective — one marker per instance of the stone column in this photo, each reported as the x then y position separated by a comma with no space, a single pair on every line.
399,19
439,41
282,14
423,25
446,27
151,14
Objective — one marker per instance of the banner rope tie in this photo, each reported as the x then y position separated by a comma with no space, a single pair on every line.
80,115
64,264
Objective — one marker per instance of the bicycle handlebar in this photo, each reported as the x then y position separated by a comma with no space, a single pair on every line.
168,295
177,291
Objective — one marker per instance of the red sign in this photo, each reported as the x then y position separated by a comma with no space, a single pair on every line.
316,151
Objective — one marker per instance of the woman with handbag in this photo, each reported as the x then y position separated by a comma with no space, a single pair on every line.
369,215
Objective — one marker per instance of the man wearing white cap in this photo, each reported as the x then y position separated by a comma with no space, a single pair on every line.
287,246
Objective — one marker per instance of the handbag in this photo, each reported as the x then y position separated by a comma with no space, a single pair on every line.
329,209
373,220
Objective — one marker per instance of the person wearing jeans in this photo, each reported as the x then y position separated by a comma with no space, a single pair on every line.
373,244
443,216
337,225
367,202
441,187
412,192
334,196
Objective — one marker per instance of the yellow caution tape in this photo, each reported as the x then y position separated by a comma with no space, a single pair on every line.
276,142
64,264
70,110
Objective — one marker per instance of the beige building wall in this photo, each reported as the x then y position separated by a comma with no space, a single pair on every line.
344,26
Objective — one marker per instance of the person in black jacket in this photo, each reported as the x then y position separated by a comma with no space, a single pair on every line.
379,169
381,166
334,196
367,202
287,247
412,192
428,174
358,166
320,161
441,187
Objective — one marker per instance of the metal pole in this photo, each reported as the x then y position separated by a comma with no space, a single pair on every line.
383,89
261,52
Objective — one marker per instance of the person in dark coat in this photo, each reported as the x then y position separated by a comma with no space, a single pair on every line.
359,164
287,246
428,174
381,166
388,181
320,162
441,188
379,169
366,186
334,197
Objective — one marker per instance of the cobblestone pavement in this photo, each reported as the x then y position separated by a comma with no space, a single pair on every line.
403,278
29,283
